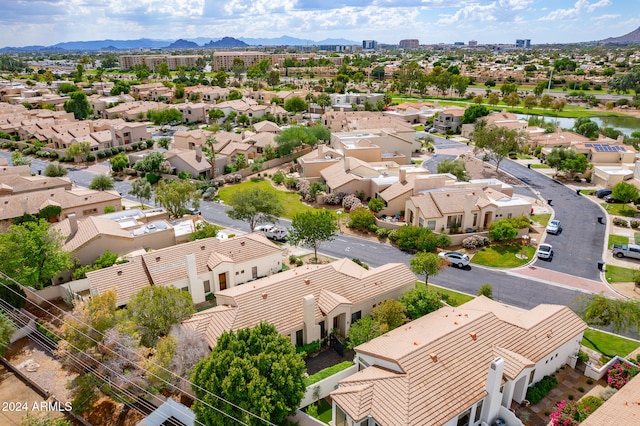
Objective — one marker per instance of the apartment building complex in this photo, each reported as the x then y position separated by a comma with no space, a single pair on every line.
128,62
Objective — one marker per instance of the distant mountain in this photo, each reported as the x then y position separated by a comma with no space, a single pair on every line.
225,43
632,38
145,43
183,44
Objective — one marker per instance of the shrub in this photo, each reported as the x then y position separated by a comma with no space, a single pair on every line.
571,397
149,143
538,391
309,348
635,224
184,175
618,221
580,389
351,202
590,403
299,262
583,357
361,219
327,372
290,183
279,177
376,204
607,393
567,414
101,154
293,259
475,241
360,262
382,233
334,198
91,157
486,290
589,381
409,237
151,178
620,373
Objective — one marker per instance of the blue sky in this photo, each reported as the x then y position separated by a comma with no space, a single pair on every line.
46,22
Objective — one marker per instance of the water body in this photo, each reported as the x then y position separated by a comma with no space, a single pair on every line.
626,125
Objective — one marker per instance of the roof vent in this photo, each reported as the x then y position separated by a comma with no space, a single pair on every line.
307,281
264,295
119,273
158,259
456,323
434,357
474,336
416,343
242,243
202,247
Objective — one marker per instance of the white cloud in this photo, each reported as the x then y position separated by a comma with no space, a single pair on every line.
515,4
608,17
574,12
471,12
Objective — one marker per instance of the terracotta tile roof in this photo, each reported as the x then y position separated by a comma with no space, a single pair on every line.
623,408
34,183
450,350
399,188
125,279
513,363
278,298
89,228
266,126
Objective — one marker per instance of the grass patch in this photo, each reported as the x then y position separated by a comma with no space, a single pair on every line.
588,191
608,344
636,237
618,274
617,239
503,256
323,412
419,127
542,219
327,372
539,166
455,298
619,209
290,200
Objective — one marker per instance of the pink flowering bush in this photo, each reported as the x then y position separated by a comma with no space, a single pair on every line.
568,413
620,373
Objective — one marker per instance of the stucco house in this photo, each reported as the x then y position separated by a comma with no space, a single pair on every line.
305,303
457,366
200,267
449,120
189,139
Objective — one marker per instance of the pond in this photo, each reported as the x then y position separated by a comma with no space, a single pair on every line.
626,125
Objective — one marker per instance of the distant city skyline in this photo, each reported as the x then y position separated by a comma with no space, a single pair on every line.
48,22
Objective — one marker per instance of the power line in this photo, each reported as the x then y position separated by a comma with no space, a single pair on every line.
173,374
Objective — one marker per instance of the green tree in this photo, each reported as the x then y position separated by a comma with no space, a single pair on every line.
389,314
499,140
165,116
512,99
209,150
323,101
586,127
457,168
293,137
102,183
119,162
234,95
474,112
79,149
176,196
255,206
221,78
32,254
312,228
539,89
7,328
141,189
493,98
363,330
486,290
502,230
162,69
376,204
205,230
154,309
601,311
17,159
624,192
55,170
256,368
216,114
421,300
78,105
319,132
425,263
546,101
295,105
153,162
530,102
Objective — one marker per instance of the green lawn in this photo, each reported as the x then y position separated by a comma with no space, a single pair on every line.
619,209
455,298
290,200
588,191
608,344
539,166
542,219
618,274
617,239
636,237
324,411
503,256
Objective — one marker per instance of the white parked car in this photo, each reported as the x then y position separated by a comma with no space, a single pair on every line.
545,251
554,227
273,232
455,258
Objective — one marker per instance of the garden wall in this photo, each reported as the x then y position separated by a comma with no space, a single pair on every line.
599,373
326,386
56,291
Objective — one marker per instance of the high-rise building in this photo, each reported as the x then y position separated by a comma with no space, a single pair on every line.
369,44
412,43
473,43
523,43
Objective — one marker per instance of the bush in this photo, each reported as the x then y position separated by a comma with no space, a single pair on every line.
184,175
414,238
361,219
620,373
618,221
309,348
607,393
635,224
382,233
327,372
151,178
293,259
360,262
475,241
279,177
351,202
334,198
91,157
101,154
290,183
299,262
486,290
538,391
149,143
583,357
590,403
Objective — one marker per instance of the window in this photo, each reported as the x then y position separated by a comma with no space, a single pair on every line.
532,375
431,224
254,272
464,418
476,418
207,286
356,316
475,219
299,338
421,223
509,215
454,221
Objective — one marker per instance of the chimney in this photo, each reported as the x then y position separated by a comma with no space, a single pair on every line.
73,225
198,153
320,150
403,175
620,139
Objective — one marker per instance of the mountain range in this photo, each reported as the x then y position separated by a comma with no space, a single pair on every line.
145,43
631,38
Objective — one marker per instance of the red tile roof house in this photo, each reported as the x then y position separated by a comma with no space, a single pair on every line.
304,303
457,366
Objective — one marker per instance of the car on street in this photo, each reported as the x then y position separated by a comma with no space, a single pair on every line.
194,211
273,232
545,251
455,258
433,130
601,193
554,227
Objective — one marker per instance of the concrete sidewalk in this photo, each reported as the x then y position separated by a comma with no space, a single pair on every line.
563,280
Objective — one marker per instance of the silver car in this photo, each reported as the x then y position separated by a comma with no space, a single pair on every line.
455,258
545,251
554,227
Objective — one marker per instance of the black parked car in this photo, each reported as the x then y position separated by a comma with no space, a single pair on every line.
601,193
